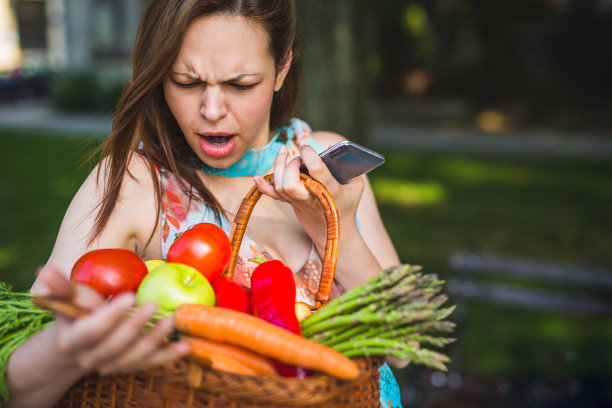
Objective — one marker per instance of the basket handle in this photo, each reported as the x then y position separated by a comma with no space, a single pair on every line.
333,232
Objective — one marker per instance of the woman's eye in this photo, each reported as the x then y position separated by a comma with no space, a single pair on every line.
242,87
186,84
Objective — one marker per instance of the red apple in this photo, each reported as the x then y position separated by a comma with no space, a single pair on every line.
109,271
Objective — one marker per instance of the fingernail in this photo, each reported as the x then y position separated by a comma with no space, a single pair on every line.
182,347
124,299
150,307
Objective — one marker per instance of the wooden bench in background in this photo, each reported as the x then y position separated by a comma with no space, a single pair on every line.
532,284
515,282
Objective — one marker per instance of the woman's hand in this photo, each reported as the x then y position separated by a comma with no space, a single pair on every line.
288,188
399,363
107,340
357,252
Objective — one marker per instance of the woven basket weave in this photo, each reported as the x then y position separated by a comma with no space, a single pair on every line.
187,384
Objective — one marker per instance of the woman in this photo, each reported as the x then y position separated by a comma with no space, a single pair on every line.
207,113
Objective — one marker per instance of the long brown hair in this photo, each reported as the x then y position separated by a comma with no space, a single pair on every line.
142,114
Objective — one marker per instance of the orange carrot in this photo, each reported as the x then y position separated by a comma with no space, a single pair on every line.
223,363
250,332
207,349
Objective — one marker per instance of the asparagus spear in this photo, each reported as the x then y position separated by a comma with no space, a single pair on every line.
379,317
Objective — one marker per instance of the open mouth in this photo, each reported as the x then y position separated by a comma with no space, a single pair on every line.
218,146
218,140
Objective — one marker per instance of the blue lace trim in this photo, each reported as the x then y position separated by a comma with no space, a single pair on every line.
389,389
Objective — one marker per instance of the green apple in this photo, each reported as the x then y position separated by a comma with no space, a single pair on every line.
172,284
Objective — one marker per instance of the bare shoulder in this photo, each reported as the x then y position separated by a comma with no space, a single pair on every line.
326,138
139,173
129,226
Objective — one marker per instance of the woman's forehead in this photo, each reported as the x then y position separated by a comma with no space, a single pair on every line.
225,42
227,31
218,48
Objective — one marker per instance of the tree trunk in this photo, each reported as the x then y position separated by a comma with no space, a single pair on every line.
333,95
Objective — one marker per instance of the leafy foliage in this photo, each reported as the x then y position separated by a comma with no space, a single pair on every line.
19,320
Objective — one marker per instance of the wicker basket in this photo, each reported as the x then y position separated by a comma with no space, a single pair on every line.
186,384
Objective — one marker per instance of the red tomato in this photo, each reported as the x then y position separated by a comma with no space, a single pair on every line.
205,247
109,271
230,295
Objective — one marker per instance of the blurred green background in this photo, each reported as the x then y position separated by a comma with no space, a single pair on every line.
494,117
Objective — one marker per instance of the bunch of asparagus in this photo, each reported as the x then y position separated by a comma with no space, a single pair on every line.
395,314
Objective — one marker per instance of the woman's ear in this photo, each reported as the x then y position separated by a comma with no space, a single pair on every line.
282,73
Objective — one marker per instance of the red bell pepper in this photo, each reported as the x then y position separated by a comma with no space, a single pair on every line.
273,300
231,295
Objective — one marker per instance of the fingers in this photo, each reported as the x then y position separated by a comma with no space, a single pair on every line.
279,166
287,185
114,343
142,350
151,349
57,284
108,340
171,352
87,331
267,188
398,363
317,169
292,188
86,298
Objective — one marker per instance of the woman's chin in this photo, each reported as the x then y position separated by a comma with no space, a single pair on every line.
219,163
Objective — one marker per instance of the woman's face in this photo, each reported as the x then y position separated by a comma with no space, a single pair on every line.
220,88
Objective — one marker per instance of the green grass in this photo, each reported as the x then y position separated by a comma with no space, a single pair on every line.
432,205
550,209
39,174
545,208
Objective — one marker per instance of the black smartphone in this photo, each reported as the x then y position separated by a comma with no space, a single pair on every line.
347,160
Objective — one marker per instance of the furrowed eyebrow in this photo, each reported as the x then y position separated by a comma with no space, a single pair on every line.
240,76
187,74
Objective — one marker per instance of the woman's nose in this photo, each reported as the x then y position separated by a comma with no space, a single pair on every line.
213,104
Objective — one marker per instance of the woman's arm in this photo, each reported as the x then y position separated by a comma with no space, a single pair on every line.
373,230
365,246
129,226
105,340
45,366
